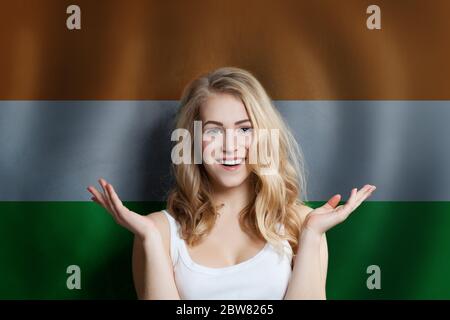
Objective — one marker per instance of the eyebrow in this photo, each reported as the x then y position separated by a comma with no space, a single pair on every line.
221,124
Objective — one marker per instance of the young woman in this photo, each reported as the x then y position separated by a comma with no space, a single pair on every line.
232,229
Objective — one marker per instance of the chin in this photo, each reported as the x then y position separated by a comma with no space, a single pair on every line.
230,182
229,179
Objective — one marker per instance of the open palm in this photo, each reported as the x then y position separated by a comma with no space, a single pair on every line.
141,226
327,216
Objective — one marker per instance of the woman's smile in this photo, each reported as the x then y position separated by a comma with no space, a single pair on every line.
231,164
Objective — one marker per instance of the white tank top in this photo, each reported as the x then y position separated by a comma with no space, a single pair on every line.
265,276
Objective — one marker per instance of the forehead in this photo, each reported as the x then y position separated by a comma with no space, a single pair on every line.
223,107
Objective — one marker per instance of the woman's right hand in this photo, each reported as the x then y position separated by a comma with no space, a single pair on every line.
141,226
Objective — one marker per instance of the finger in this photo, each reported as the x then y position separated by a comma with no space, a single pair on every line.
95,200
365,195
352,199
103,183
333,202
117,204
345,210
98,196
362,192
108,200
355,200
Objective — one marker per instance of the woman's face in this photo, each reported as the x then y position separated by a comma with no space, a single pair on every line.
227,135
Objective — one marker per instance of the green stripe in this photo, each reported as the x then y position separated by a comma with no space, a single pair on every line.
38,240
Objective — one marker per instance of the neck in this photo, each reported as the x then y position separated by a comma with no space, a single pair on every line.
234,199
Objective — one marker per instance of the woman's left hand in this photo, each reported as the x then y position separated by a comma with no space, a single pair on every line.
327,216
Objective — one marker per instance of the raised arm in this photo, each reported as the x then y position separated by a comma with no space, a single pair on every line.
152,267
308,280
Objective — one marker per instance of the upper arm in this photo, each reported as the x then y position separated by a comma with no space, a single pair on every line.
138,266
139,259
303,212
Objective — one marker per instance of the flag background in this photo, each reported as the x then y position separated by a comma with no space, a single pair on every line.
366,106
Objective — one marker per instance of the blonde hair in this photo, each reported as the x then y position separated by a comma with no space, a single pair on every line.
277,197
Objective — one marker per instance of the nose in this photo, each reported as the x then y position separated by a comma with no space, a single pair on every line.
230,143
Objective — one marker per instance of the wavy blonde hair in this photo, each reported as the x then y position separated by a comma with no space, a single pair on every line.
277,197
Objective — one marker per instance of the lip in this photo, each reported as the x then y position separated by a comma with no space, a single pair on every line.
231,168
228,159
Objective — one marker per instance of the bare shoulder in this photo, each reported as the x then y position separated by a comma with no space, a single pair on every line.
303,211
160,220
162,224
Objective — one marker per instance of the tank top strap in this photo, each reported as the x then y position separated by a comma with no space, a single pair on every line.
280,228
286,245
175,239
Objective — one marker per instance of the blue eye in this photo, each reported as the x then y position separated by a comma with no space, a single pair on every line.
213,131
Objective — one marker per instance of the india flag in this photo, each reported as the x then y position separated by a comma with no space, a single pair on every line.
91,91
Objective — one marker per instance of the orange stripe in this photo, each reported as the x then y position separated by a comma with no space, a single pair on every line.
298,49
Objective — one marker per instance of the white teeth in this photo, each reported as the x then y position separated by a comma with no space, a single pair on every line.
231,162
